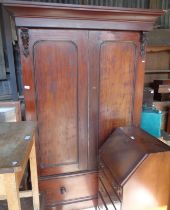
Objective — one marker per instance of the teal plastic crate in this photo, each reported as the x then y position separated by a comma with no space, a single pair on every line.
151,121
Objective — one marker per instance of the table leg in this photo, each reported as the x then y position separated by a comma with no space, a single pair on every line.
34,177
12,192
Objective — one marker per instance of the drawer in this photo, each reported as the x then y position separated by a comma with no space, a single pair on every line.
64,189
107,187
101,203
76,206
164,89
104,171
106,198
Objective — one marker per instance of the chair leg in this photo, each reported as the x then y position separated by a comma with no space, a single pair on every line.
12,192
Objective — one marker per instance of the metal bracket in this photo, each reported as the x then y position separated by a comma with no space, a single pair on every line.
25,41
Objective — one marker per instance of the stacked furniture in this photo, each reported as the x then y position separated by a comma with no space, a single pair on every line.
157,72
83,72
157,56
161,90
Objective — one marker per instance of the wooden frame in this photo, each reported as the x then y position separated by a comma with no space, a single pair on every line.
15,104
10,182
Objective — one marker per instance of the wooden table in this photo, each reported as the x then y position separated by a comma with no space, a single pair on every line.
17,146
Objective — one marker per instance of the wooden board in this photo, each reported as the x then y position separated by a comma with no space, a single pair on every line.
13,146
14,113
62,99
158,60
150,183
102,17
63,189
159,37
114,64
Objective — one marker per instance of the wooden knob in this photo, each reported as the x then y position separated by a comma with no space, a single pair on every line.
101,165
62,190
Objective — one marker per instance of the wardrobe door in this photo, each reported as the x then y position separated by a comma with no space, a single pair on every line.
113,57
57,68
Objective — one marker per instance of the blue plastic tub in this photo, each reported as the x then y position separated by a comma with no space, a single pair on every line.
151,121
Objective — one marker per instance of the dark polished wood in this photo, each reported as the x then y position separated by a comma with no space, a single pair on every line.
61,99
88,16
83,70
110,52
134,166
15,144
79,204
65,189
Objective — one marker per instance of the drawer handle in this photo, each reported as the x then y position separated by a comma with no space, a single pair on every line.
101,165
62,190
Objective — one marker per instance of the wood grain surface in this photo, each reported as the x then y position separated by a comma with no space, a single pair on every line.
135,166
84,70
65,16
13,146
65,189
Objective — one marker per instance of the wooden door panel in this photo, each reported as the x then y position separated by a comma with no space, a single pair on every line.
57,105
84,86
58,98
113,58
116,86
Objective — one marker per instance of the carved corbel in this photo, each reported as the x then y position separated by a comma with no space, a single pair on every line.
144,42
25,41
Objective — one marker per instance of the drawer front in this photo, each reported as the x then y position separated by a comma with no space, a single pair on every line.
68,188
107,189
76,206
105,197
101,203
104,171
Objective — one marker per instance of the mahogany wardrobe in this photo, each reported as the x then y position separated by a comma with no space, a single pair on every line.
83,71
